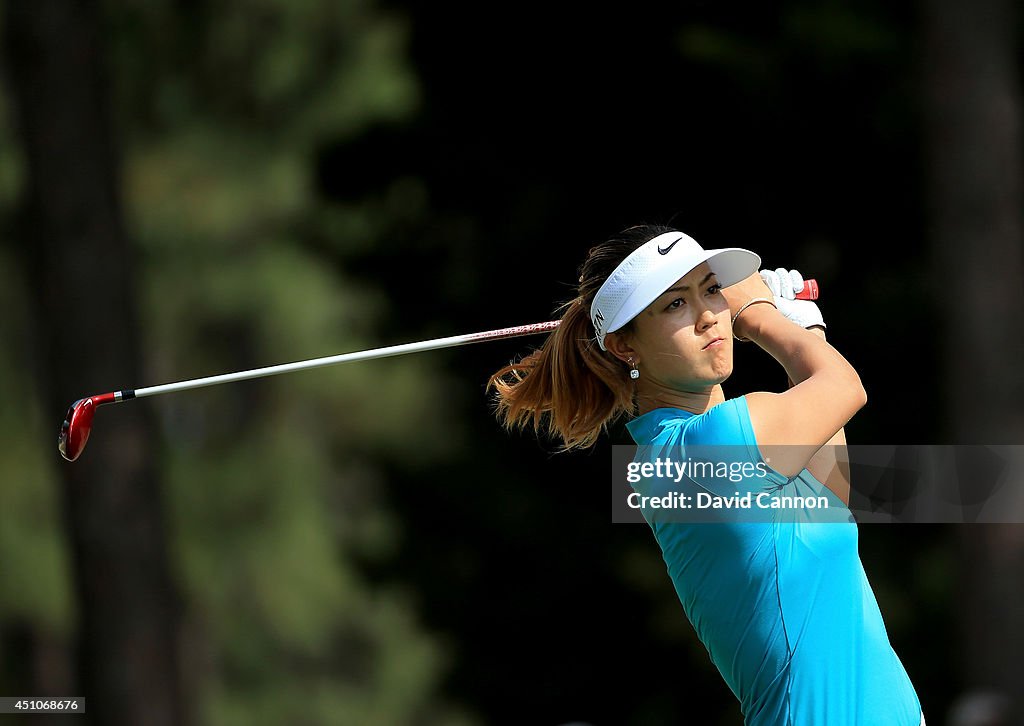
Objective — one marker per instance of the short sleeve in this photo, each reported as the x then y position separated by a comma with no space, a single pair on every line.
727,429
727,424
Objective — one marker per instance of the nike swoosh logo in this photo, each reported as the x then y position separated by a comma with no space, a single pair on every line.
666,250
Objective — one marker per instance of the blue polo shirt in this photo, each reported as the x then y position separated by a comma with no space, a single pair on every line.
781,602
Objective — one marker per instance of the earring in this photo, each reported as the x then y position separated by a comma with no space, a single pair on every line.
634,374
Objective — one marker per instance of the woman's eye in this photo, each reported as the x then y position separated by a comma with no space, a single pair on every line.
672,305
715,289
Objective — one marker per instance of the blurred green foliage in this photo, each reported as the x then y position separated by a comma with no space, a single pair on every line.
271,486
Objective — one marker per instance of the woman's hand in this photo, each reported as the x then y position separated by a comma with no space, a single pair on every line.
785,284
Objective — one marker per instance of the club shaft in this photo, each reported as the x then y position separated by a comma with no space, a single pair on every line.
387,352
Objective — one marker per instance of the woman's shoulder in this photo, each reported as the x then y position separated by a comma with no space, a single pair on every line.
726,423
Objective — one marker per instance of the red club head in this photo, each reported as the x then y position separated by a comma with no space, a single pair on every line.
74,432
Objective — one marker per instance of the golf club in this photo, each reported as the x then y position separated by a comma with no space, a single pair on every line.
77,424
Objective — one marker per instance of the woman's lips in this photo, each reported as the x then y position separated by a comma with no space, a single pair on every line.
714,343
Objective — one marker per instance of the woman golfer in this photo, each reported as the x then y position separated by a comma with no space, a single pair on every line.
782,604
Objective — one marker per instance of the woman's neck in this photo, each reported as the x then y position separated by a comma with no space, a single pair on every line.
693,401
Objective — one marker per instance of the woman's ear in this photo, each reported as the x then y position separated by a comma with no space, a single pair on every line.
620,346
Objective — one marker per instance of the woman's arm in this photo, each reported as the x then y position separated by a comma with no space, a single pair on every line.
792,426
831,464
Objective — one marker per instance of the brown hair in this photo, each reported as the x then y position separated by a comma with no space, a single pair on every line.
579,387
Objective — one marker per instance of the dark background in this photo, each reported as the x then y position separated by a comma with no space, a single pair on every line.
188,188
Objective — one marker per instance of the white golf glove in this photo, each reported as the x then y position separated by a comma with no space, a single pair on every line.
785,284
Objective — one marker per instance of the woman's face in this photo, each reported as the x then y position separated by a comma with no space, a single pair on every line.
684,338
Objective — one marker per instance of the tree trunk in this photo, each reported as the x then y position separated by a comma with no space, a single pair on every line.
973,123
78,257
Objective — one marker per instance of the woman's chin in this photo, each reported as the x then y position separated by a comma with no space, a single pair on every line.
720,373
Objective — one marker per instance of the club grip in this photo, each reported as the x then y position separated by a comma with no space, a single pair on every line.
810,291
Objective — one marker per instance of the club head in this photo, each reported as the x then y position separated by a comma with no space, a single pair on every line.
74,432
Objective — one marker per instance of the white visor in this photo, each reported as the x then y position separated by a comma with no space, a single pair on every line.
651,269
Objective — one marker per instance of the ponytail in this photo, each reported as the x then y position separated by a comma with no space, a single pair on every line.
570,383
573,383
